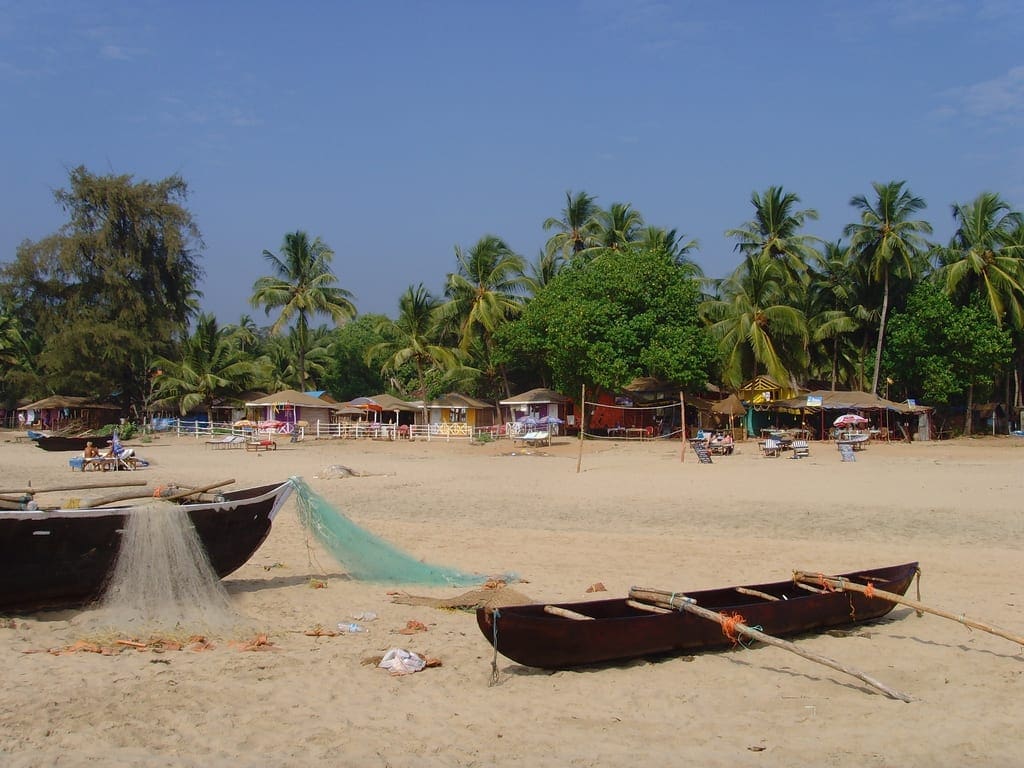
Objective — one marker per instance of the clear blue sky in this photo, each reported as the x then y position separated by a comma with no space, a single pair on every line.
397,130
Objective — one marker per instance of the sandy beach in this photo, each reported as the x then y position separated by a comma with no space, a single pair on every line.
634,515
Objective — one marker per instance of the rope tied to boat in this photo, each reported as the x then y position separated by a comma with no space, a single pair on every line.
729,622
825,584
494,641
869,590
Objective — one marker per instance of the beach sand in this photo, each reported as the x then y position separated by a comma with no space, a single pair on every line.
634,515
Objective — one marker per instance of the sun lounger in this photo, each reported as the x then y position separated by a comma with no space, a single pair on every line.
228,441
541,437
261,445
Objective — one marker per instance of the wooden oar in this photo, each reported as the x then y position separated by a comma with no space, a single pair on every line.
683,603
803,577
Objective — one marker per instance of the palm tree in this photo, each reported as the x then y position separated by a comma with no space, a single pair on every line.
774,232
212,366
283,352
619,225
756,326
674,245
302,286
982,255
833,314
887,240
542,271
575,230
412,338
484,293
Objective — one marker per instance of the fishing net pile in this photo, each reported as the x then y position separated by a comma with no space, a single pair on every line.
162,582
367,557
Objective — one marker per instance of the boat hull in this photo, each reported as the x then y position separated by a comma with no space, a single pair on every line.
528,635
61,558
62,443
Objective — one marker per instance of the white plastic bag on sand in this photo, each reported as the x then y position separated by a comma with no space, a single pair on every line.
402,662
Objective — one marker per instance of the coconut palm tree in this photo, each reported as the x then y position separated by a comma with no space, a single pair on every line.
484,293
542,271
756,326
888,240
302,286
774,232
982,255
831,315
211,366
674,245
412,338
619,225
575,230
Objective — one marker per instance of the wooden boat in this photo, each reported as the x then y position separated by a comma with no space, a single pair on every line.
62,557
70,443
617,631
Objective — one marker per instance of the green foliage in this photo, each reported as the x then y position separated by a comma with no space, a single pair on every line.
349,373
111,289
625,313
937,350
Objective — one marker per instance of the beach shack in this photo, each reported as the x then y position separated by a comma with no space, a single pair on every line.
542,405
64,413
457,415
282,411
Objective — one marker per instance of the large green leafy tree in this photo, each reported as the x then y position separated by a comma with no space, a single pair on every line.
349,375
627,313
302,287
112,288
888,240
210,365
942,352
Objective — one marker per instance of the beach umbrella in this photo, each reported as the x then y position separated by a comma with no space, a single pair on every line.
551,420
527,421
849,419
243,423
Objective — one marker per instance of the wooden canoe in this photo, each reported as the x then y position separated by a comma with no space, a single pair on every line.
62,557
616,631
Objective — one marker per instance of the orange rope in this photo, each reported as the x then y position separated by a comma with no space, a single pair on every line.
869,590
158,492
824,584
729,623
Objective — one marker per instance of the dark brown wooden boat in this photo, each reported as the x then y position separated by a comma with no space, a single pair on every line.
62,557
616,631
69,442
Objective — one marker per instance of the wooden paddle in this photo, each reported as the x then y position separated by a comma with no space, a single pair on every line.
679,601
803,577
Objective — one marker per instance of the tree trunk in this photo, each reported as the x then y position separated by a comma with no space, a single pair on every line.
881,336
969,418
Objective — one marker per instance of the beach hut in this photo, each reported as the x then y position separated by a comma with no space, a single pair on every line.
538,404
458,415
817,410
288,407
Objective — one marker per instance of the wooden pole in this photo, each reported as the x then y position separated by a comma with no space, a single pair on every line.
682,422
130,495
583,424
892,597
565,613
114,484
683,603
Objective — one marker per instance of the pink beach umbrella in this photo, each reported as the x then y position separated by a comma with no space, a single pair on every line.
848,420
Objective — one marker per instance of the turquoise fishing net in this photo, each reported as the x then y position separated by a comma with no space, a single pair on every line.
364,556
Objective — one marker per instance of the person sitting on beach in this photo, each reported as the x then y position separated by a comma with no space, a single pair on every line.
91,451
